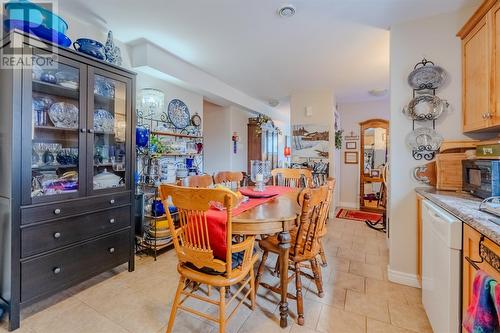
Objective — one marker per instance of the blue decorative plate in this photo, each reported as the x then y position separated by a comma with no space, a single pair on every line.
178,113
104,121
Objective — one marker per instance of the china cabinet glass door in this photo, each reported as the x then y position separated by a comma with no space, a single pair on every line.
109,125
54,104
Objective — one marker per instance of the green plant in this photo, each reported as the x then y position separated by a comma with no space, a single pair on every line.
262,119
155,142
338,139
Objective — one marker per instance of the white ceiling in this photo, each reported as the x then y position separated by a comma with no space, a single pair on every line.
342,45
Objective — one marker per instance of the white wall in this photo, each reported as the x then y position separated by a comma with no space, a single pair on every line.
435,39
351,114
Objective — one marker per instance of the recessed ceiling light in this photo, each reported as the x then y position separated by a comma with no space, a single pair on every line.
378,92
286,11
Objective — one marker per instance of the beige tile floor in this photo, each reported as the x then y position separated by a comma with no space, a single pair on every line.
358,297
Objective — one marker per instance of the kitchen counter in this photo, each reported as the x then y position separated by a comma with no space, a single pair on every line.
466,208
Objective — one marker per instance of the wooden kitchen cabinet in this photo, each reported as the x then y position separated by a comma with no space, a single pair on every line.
470,248
481,69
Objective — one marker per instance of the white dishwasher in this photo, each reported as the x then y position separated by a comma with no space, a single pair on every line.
441,268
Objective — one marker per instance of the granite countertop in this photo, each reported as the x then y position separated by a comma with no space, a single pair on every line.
466,208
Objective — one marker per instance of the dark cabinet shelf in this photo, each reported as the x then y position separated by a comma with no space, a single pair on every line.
55,89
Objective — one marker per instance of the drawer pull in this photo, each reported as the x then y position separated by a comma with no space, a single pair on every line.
57,235
111,250
57,211
112,201
112,221
57,270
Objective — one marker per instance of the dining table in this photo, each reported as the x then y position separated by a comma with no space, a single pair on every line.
276,216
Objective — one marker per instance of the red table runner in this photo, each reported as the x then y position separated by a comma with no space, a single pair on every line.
216,219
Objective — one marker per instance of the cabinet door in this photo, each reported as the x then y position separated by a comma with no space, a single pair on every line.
109,125
476,78
494,26
53,140
470,248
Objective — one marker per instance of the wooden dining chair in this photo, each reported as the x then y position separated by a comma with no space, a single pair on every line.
225,177
198,181
292,177
330,183
195,252
305,245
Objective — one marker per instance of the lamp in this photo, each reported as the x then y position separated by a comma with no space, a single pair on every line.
287,151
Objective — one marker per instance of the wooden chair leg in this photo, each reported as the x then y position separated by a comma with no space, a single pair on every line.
300,301
175,304
252,285
260,270
324,263
317,276
209,292
222,310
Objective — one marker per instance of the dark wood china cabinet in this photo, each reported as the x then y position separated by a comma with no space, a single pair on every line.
262,143
66,166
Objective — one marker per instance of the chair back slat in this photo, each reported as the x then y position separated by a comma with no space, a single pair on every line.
225,177
292,177
198,181
314,203
191,238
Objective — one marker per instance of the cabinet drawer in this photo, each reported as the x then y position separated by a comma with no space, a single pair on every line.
73,207
50,273
48,236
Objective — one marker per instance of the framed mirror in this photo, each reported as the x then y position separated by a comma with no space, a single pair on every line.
374,151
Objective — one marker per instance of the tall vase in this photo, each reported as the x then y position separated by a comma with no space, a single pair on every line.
112,52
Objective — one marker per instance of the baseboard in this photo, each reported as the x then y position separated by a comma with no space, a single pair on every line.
348,205
402,278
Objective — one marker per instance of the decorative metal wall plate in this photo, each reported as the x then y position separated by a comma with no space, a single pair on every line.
425,107
424,137
427,77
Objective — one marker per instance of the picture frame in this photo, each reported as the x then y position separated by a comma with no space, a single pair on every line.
351,145
375,173
351,157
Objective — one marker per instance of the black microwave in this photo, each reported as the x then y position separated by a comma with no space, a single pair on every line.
481,178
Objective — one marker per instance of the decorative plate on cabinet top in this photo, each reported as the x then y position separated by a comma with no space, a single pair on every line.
104,121
424,138
178,113
64,115
427,77
425,107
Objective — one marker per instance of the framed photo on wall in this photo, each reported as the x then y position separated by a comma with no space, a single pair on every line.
351,157
351,145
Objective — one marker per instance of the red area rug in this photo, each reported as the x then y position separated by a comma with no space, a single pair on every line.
357,215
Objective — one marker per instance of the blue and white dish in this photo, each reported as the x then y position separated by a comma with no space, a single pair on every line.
178,113
64,115
104,121
39,31
68,79
26,11
104,87
90,47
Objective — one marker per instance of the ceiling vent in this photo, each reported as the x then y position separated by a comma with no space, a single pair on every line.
274,102
286,11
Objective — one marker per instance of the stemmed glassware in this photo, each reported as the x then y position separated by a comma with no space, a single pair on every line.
53,149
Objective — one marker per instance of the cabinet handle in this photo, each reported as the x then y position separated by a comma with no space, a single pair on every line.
57,211
57,270
484,115
490,115
112,201
111,250
83,130
91,131
112,221
57,235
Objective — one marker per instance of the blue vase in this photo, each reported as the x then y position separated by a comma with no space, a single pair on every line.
141,137
157,208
